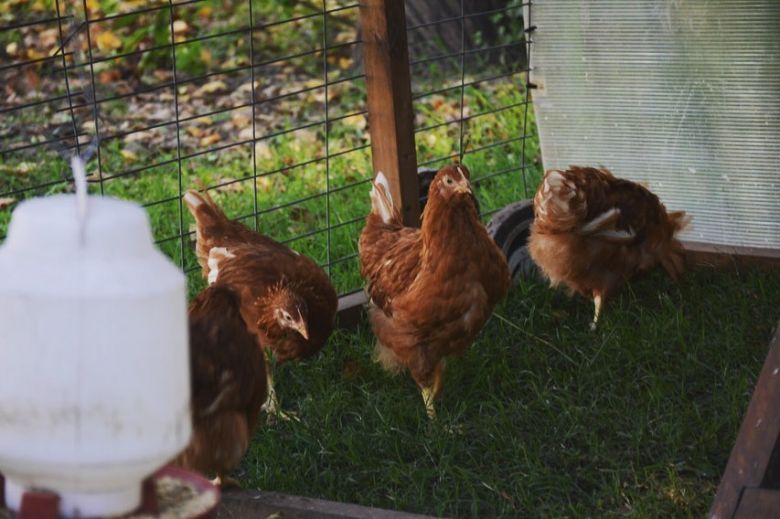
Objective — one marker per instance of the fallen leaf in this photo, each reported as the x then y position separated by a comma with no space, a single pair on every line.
205,56
6,202
210,88
109,76
241,120
263,150
22,168
129,155
34,54
194,131
208,140
246,134
12,48
49,37
358,122
180,26
231,186
107,41
264,184
345,62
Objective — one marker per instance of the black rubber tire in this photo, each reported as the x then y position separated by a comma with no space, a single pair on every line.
510,228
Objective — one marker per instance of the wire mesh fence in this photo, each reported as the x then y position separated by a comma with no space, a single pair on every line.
469,62
262,103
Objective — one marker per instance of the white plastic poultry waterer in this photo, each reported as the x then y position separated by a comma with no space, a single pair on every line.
94,390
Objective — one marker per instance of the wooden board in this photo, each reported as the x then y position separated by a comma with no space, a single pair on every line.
758,503
753,461
255,504
389,92
727,256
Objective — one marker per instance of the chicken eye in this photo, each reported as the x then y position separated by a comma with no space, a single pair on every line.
448,181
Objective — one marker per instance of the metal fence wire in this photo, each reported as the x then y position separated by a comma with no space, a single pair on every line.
261,102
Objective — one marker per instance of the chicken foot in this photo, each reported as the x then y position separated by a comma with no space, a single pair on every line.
598,299
429,393
224,482
271,405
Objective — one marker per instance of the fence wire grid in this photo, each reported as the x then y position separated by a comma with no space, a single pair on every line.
263,103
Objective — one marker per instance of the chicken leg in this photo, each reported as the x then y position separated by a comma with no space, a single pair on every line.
598,299
271,405
224,482
429,393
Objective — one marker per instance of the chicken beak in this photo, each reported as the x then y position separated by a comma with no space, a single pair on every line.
463,186
300,327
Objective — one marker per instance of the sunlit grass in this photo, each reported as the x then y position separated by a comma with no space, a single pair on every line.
541,417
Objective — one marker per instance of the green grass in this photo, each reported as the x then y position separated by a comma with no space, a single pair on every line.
541,417
290,199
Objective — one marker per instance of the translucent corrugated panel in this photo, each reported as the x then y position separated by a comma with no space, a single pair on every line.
682,95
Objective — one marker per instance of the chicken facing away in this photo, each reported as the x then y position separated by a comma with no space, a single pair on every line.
228,384
287,300
592,232
432,289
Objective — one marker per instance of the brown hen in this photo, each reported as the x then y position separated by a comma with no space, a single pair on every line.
592,232
228,383
286,298
432,289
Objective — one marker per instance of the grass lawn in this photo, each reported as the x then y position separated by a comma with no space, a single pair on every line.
541,418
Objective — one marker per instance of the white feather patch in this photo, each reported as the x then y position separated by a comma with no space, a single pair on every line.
192,199
553,179
216,254
378,202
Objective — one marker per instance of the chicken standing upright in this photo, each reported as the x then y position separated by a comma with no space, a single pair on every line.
228,384
286,298
593,231
432,289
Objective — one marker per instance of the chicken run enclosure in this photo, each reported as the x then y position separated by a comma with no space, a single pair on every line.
284,110
287,117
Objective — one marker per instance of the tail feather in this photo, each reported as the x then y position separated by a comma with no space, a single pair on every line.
203,208
680,220
382,201
208,218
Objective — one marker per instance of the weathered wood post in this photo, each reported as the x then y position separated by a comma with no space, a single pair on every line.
390,115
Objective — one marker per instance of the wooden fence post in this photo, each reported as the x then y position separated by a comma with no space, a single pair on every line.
390,115
749,484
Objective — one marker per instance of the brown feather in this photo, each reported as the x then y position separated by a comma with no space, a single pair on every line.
214,229
265,283
593,231
432,289
256,266
228,379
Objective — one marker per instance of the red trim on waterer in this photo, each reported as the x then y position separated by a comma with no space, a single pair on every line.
39,505
149,503
45,505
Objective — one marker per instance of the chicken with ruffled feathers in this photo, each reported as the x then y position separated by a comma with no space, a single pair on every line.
592,232
431,289
286,298
228,379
